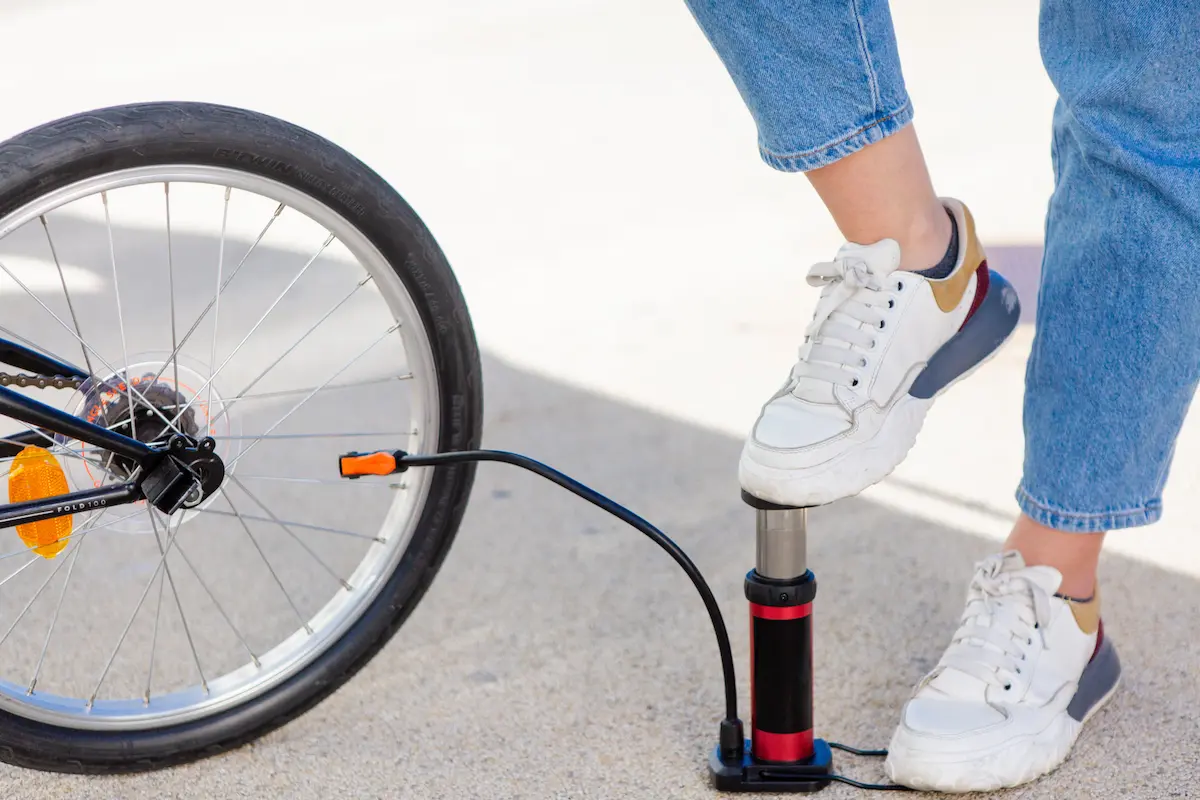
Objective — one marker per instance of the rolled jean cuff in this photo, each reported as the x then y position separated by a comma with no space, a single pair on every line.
1045,513
851,142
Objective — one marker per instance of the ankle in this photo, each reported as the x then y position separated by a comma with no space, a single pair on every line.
924,243
1075,555
1079,581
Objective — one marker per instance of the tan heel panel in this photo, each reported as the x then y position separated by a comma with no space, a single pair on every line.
975,254
948,292
1087,615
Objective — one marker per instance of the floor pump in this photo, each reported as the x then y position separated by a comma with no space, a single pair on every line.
781,754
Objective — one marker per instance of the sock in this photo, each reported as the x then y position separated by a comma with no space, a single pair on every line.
943,268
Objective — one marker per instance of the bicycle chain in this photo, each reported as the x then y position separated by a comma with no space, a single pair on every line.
41,381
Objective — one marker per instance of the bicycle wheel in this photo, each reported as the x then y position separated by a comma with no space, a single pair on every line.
242,278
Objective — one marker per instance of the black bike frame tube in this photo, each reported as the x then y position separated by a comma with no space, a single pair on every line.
28,360
15,514
26,409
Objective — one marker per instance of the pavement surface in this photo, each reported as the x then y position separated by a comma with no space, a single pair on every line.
636,279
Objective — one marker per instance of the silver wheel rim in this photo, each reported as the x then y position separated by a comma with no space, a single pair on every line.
288,657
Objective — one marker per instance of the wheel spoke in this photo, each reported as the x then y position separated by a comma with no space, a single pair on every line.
254,499
34,345
175,352
220,608
154,641
21,568
54,619
33,599
86,529
285,392
88,347
310,395
326,481
66,293
350,434
292,523
112,252
293,346
187,629
161,563
216,305
57,448
208,383
80,534
65,452
267,562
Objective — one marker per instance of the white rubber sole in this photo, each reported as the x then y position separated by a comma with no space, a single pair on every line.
1002,767
858,468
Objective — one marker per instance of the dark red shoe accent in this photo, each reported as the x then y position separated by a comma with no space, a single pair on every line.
1099,639
981,290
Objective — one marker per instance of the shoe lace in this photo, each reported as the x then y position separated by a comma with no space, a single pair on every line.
844,323
1006,610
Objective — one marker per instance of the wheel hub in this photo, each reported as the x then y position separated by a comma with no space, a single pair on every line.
188,475
180,394
111,407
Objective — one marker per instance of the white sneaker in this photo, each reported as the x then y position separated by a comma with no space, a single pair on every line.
882,345
1011,693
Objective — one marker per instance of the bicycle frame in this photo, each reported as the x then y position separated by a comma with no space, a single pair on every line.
163,480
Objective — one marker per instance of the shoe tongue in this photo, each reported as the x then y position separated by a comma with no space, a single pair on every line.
998,564
1048,578
883,258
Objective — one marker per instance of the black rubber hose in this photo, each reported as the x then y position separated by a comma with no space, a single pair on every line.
625,515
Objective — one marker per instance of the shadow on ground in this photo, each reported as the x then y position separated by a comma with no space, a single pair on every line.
559,654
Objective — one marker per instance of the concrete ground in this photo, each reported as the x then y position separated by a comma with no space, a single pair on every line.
636,278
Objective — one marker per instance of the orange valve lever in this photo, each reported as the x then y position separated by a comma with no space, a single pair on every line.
354,465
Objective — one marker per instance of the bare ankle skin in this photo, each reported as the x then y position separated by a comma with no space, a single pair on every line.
884,192
1075,555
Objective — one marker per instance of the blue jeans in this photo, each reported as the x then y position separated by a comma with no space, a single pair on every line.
1116,351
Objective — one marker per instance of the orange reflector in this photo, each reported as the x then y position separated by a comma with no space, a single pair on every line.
381,463
36,475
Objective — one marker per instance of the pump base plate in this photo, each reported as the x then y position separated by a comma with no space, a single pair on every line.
751,776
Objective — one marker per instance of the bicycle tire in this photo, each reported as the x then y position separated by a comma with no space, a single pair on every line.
107,140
